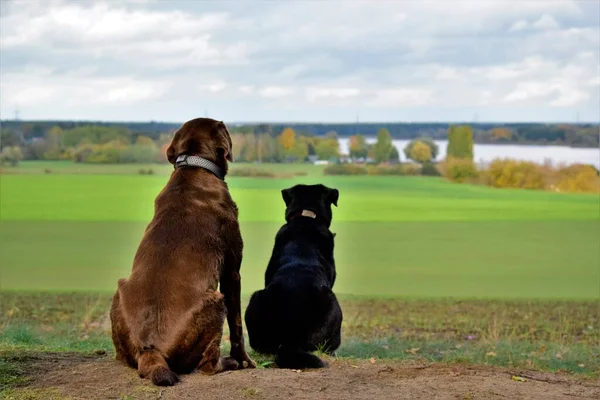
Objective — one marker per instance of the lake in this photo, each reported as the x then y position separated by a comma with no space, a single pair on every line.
484,153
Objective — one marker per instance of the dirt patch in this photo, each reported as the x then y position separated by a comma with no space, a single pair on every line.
100,377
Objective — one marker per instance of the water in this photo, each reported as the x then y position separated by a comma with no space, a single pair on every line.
484,153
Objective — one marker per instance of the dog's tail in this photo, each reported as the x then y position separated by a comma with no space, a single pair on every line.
152,365
295,358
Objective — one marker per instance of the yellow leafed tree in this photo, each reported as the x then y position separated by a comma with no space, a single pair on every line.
420,152
287,139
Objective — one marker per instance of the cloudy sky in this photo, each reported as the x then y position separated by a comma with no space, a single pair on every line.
398,60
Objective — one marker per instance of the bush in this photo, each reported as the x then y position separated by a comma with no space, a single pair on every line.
396,169
11,155
411,169
459,169
148,171
430,169
516,174
577,178
251,173
345,169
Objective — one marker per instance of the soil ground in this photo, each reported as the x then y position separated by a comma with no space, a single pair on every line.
57,376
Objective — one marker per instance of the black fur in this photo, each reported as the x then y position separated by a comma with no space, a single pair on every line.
297,312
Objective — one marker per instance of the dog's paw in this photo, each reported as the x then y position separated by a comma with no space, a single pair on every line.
249,363
229,363
243,360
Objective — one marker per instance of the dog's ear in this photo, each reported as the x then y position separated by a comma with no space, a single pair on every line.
287,196
172,149
332,196
224,141
171,153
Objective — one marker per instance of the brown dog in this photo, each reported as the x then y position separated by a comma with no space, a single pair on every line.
168,316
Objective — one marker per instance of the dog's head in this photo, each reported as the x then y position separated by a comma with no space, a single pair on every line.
203,137
310,201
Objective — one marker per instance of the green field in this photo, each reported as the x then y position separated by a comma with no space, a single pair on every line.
428,270
77,228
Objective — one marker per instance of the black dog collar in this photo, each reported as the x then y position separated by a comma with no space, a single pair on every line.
185,160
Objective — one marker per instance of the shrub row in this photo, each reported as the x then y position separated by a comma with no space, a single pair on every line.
407,169
509,173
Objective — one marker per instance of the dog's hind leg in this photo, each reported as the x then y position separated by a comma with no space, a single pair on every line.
198,345
120,334
261,329
212,319
152,365
329,337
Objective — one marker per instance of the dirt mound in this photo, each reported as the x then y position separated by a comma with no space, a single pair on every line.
77,377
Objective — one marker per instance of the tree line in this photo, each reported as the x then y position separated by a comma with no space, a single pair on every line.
115,144
576,135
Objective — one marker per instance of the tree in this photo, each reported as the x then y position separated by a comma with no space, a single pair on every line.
53,144
36,149
460,142
287,139
395,156
144,141
332,135
300,150
433,148
238,142
358,147
12,155
327,149
499,134
420,152
9,138
383,149
269,148
428,141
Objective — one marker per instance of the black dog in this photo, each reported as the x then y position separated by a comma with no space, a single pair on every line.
297,312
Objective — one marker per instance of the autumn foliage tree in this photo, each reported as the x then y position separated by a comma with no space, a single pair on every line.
420,152
500,134
287,139
358,147
433,149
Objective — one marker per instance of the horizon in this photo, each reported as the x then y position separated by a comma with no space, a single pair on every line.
109,121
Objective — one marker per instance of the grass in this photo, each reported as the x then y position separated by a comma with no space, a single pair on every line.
427,269
71,168
408,236
544,335
521,259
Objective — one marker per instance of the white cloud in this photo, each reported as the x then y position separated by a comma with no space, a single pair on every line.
546,22
314,94
98,23
402,97
37,87
518,26
214,87
272,92
565,94
246,89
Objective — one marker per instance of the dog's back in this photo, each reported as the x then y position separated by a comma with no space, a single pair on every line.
297,312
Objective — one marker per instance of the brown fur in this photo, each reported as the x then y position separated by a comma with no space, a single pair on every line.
168,316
